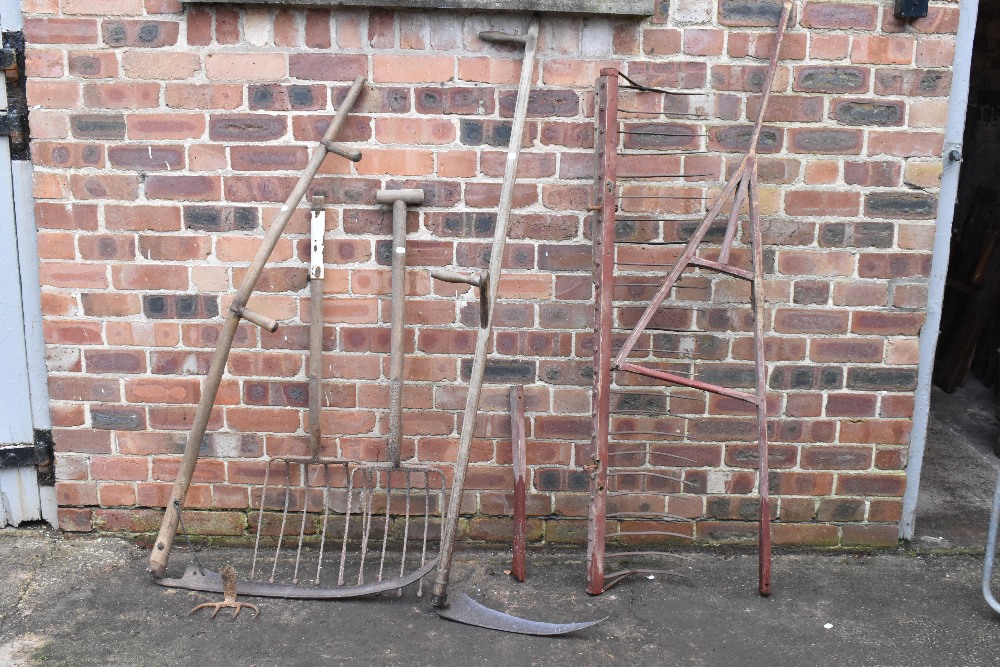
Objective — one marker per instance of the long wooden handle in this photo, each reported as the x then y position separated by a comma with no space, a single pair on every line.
396,331
171,517
439,597
317,230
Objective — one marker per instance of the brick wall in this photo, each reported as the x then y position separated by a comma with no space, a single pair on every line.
165,139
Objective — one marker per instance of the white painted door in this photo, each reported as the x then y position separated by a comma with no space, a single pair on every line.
24,418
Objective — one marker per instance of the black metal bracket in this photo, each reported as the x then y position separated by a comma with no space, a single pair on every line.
40,453
14,123
910,9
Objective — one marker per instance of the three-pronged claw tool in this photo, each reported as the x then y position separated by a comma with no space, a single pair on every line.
228,574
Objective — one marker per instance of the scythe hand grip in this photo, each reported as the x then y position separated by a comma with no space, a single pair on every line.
480,280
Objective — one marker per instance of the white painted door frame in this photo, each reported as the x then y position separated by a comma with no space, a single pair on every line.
25,426
958,103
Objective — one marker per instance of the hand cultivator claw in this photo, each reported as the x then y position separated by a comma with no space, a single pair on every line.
228,596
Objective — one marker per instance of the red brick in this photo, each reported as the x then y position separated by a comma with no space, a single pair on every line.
76,520
228,66
115,361
174,247
104,186
822,203
789,483
150,277
165,126
227,26
268,158
162,390
193,188
873,535
119,468
160,65
65,274
887,323
218,96
76,493
839,16
787,320
56,245
412,69
115,95
53,94
856,350
327,67
143,218
882,50
816,535
893,265
828,46
98,304
57,215
879,431
146,158
906,143
51,30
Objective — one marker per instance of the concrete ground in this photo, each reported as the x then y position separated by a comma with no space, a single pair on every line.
88,602
960,468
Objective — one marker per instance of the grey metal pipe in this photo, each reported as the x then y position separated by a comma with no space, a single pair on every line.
991,550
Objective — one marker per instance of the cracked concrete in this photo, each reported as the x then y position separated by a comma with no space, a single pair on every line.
88,602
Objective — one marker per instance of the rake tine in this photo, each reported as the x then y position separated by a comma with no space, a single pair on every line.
366,524
284,519
326,517
260,520
427,524
385,532
406,532
302,525
347,524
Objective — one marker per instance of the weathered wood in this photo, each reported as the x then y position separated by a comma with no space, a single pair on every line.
612,7
440,591
519,461
171,517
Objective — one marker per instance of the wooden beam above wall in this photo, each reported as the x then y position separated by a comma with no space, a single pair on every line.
612,7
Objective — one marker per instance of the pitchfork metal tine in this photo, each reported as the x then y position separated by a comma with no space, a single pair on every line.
427,523
347,525
302,525
366,523
284,519
260,520
385,532
406,531
326,517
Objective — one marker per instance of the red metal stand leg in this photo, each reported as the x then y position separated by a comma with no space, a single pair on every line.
604,258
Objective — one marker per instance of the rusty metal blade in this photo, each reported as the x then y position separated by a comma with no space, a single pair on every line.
211,582
464,609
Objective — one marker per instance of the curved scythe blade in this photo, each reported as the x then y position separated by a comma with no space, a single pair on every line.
464,609
211,582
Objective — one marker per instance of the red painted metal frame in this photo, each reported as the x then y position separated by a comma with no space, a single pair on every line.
742,186
606,142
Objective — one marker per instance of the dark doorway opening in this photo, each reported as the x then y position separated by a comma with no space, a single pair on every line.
963,436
